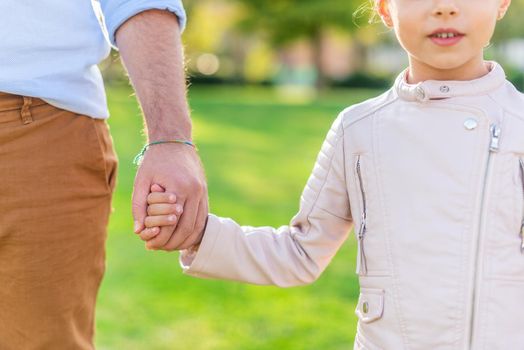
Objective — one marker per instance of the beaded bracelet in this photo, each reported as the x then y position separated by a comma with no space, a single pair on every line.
140,155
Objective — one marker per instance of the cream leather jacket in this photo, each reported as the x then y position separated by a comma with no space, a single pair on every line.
431,175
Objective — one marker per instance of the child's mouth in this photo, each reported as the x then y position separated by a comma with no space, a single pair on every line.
446,37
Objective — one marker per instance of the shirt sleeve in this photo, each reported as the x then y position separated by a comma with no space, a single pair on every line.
290,255
116,12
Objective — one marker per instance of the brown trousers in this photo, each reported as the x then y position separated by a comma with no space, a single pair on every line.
57,176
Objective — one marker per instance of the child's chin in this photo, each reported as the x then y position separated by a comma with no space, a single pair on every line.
447,62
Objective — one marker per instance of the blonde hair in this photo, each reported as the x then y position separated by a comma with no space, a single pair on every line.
369,9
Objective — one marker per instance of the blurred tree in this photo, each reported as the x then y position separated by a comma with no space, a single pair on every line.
284,21
512,26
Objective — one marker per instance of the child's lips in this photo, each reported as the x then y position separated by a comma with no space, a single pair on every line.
445,37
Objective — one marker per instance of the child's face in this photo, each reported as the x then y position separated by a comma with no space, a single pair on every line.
419,23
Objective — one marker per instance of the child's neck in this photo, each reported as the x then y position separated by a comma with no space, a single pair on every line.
419,71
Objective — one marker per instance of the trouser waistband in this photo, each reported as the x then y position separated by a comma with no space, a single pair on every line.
11,102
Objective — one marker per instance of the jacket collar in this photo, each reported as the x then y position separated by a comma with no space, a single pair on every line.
441,89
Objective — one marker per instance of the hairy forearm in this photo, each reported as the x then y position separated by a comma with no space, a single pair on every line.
151,51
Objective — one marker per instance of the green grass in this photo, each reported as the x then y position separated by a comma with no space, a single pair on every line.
258,152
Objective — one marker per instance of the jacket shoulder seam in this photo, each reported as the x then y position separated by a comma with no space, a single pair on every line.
505,109
348,121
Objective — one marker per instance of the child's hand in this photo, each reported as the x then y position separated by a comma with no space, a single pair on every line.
162,210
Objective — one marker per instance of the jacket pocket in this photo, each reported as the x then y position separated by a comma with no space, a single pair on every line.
370,305
361,254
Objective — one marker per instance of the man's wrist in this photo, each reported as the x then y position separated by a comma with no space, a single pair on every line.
180,128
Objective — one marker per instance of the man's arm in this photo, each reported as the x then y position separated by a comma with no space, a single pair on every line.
151,50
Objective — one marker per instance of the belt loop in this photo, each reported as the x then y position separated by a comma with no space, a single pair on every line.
26,110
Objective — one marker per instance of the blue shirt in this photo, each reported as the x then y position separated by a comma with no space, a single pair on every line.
50,48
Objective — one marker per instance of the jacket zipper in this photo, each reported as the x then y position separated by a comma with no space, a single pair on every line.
362,267
521,163
493,148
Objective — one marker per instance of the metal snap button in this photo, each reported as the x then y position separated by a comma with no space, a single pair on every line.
365,307
470,124
444,89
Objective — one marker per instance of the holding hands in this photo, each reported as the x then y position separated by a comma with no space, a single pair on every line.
162,211
170,168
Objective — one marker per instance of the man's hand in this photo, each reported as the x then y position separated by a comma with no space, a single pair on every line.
177,169
163,210
151,50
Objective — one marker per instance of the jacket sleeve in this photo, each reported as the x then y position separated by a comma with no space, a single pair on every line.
116,12
290,255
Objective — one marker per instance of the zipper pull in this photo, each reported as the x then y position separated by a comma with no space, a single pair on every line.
363,268
495,138
363,264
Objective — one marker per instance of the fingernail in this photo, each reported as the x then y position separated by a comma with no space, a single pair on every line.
178,208
137,226
172,198
171,218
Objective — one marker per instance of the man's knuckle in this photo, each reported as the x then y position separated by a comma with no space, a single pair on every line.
192,184
201,185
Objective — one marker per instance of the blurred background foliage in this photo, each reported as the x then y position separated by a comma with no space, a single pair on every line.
306,45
